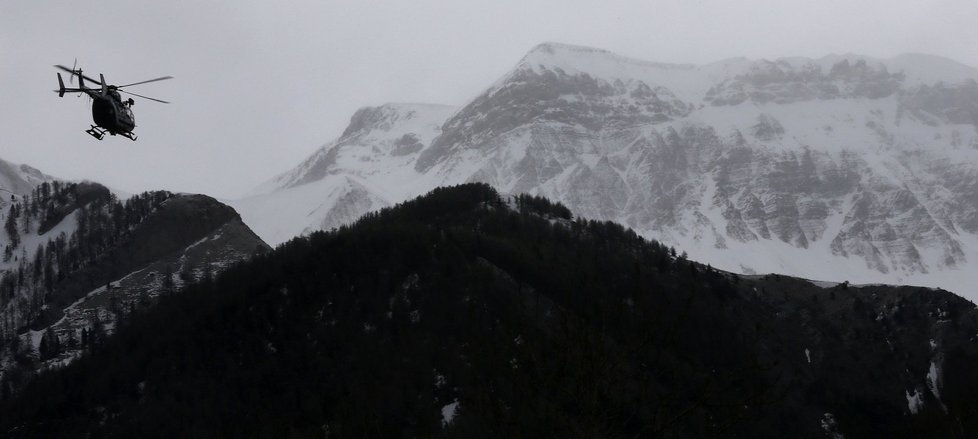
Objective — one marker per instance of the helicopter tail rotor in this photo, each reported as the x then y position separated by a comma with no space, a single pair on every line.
78,72
71,79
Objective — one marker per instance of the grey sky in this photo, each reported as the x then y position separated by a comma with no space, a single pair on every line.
259,85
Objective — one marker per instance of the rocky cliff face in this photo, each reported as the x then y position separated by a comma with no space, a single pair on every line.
844,167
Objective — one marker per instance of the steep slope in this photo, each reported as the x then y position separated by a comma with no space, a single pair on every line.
369,167
19,179
843,167
467,314
76,260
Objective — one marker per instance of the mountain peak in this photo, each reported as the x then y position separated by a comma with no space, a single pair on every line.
553,48
400,129
930,69
19,179
790,155
581,59
387,115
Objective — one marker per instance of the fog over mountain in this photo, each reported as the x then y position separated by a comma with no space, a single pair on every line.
844,167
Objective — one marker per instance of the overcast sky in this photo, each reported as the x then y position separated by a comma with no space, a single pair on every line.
259,85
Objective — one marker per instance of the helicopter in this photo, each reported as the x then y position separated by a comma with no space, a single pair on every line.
111,114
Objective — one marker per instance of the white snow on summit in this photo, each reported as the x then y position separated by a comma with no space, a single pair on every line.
369,167
844,167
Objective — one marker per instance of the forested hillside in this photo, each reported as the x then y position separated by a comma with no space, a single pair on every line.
37,258
466,314
76,260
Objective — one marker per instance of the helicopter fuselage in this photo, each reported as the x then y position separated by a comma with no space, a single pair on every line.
111,113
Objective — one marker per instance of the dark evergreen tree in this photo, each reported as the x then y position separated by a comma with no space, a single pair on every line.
10,226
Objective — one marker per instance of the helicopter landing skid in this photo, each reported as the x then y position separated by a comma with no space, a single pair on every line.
99,133
96,132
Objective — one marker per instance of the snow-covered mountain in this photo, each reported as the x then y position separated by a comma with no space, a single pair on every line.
369,167
844,167
19,179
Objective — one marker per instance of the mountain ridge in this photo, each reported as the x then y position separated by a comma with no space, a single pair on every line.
77,260
838,168
466,313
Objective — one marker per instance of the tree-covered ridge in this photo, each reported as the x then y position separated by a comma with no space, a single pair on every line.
53,238
123,254
32,275
456,315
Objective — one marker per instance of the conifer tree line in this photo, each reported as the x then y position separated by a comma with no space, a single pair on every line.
521,319
373,328
29,277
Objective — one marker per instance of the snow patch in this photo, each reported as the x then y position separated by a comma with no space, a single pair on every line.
448,413
915,402
831,427
823,283
935,382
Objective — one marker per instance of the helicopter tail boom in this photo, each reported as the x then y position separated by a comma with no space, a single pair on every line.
62,89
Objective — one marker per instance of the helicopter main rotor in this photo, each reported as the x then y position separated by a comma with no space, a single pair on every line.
77,72
115,87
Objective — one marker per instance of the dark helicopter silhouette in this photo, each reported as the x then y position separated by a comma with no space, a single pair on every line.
111,114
